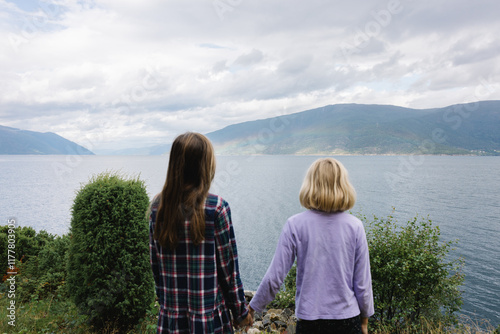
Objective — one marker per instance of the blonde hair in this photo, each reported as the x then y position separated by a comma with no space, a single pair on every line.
326,187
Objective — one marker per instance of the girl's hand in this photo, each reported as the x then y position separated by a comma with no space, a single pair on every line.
364,325
247,322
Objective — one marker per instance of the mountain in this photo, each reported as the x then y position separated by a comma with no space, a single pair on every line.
472,128
16,141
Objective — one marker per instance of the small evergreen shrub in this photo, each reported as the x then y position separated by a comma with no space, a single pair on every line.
109,276
413,277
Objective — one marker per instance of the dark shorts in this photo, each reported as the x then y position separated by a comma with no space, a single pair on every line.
345,326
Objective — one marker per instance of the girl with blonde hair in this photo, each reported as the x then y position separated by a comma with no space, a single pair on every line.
334,288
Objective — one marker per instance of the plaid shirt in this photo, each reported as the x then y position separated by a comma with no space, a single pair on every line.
197,285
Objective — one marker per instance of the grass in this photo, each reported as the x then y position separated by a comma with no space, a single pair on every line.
42,316
465,325
59,316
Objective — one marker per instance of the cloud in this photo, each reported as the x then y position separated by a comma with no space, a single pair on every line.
150,69
295,64
475,49
249,59
211,46
219,66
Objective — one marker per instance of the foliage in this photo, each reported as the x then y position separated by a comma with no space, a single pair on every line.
39,263
28,242
285,298
44,275
61,316
48,315
412,275
109,277
53,315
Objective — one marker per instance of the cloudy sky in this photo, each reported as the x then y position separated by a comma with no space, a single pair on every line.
112,74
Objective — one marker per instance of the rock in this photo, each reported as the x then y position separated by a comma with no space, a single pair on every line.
291,326
287,312
280,324
249,295
275,311
272,320
274,317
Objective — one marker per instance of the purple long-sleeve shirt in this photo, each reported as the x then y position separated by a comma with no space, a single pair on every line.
333,267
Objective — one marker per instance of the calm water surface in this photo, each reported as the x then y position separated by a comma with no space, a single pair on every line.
460,194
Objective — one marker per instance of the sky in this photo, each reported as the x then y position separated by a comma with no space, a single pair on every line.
114,74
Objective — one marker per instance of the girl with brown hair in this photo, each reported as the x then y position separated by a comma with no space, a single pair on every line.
193,248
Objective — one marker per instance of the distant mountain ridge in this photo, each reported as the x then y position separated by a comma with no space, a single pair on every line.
16,141
468,129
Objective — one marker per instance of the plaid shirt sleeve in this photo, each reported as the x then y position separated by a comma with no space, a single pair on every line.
227,260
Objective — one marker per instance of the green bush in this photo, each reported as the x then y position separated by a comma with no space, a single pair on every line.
412,275
109,276
28,243
40,263
285,298
45,275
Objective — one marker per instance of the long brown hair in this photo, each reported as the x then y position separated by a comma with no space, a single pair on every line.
191,169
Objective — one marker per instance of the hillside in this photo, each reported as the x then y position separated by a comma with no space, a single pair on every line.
369,129
16,141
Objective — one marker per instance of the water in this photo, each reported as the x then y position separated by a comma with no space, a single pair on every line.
460,194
